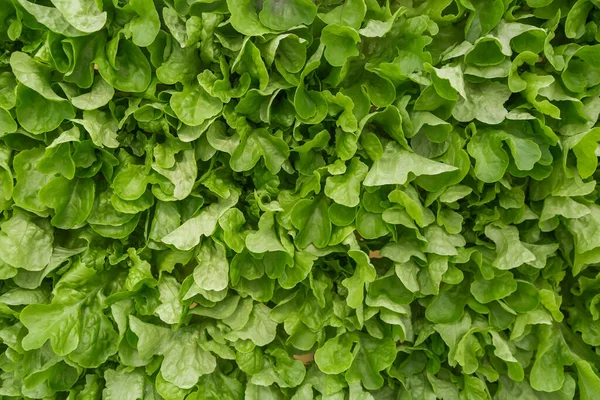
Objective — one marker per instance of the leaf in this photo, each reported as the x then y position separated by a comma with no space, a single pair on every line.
335,355
101,126
231,222
448,82
484,102
194,105
52,18
139,274
133,73
19,235
396,164
185,33
212,272
187,236
589,382
249,61
340,44
363,273
311,219
218,386
146,25
285,371
491,158
30,102
123,384
510,252
33,75
345,189
496,288
182,65
373,356
7,124
171,308
448,306
84,15
282,15
130,182
29,180
375,28
552,355
72,201
255,392
260,144
584,150
99,95
245,18
182,174
349,14
64,322
575,23
259,329
265,239
184,360
98,342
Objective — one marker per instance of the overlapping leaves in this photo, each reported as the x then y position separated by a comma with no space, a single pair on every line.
196,195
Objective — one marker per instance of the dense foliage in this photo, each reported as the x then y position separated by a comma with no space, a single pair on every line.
195,193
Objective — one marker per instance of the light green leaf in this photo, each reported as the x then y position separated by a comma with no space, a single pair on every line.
33,75
212,272
483,102
184,360
510,252
182,174
52,18
373,355
350,14
335,356
340,44
29,181
101,126
259,144
146,25
19,236
99,95
265,239
310,217
194,105
345,189
30,103
188,235
260,328
171,308
283,15
123,384
72,201
245,18
84,15
397,166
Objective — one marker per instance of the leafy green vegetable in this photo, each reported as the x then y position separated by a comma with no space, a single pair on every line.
298,199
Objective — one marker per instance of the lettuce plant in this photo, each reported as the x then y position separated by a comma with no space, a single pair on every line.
298,199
